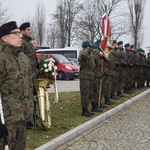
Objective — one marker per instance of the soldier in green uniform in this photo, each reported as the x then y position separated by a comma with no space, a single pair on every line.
15,86
129,61
109,73
133,70
28,47
120,65
86,77
98,74
29,50
115,77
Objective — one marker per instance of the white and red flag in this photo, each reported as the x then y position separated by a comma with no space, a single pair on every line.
106,43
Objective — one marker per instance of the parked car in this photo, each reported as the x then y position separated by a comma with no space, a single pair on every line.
74,62
64,67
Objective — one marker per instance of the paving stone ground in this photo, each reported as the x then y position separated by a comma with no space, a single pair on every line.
127,130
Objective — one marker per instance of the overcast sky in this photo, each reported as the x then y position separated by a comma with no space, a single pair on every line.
21,9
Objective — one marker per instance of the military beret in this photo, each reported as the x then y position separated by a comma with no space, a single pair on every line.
143,50
127,45
115,41
148,53
7,28
24,26
86,44
119,43
95,45
131,46
139,49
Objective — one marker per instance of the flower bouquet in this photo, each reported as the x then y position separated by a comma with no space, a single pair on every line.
47,69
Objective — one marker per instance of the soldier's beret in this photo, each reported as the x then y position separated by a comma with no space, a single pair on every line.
131,46
7,28
24,26
120,42
86,44
115,41
95,45
127,45
148,53
139,49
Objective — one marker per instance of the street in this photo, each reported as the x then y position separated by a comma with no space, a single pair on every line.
65,86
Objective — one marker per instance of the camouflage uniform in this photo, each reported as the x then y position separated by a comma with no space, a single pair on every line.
86,77
96,82
109,73
28,49
16,94
115,77
129,62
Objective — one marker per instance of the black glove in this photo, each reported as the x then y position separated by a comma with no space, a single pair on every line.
3,130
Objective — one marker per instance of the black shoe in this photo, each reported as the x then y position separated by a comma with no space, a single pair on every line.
86,114
91,113
109,103
96,110
114,97
102,106
119,94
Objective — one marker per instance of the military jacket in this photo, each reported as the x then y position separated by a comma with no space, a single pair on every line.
15,84
98,65
87,64
28,49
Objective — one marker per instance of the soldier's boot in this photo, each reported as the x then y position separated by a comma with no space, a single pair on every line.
130,90
102,105
119,94
85,112
107,101
127,91
147,84
95,108
112,96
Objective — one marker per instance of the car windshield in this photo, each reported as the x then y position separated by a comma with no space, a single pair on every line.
74,61
62,59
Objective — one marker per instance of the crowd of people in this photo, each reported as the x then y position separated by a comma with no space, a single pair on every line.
18,69
124,70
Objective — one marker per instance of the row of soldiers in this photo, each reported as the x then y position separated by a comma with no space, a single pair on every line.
124,70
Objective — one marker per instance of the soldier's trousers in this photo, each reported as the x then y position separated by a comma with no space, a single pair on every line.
96,87
106,85
16,137
86,92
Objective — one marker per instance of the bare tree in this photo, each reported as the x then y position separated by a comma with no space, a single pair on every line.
65,18
90,20
3,14
40,23
51,35
136,13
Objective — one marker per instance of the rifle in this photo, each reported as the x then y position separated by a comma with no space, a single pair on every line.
3,123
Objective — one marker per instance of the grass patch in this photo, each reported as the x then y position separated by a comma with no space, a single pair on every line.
66,115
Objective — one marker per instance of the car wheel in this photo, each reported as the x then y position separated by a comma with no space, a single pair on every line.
60,76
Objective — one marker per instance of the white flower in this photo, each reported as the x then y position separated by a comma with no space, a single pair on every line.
53,73
46,70
45,65
55,67
50,65
49,68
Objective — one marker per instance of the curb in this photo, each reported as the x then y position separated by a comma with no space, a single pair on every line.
55,143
